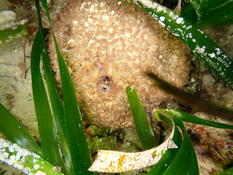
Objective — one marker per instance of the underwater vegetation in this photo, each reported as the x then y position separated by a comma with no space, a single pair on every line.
63,147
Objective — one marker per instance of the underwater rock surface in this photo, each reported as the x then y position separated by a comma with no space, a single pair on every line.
109,45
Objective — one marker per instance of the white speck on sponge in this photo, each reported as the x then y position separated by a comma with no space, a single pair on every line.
75,22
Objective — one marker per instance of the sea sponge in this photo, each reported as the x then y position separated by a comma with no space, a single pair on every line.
109,45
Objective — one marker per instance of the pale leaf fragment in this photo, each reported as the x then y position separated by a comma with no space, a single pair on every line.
116,162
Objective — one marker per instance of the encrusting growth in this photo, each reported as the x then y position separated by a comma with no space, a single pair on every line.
110,44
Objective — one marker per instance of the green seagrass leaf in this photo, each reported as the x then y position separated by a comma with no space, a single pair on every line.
141,120
14,131
213,12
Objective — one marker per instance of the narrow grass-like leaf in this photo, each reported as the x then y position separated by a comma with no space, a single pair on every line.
45,6
188,152
55,99
208,13
193,100
14,131
81,158
44,116
116,162
177,166
75,136
185,162
178,117
186,117
56,107
141,120
193,163
25,161
226,172
168,156
213,12
198,42
189,14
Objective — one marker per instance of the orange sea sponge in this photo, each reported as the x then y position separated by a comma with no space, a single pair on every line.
108,45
